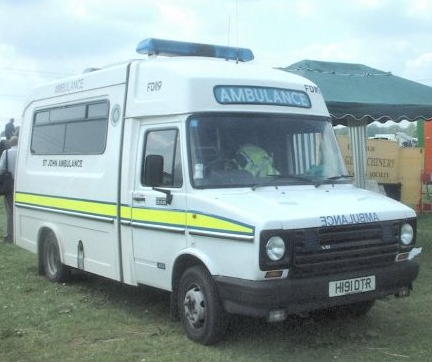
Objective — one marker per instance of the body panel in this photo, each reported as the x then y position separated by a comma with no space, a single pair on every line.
77,193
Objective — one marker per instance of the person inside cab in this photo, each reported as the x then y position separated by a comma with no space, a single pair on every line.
255,160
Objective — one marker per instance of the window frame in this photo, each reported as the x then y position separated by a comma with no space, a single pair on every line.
177,141
71,121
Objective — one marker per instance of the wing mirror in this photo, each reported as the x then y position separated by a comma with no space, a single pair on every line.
153,175
153,170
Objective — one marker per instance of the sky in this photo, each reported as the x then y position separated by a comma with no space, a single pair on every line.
44,40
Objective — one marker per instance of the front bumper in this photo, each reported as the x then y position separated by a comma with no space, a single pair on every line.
258,298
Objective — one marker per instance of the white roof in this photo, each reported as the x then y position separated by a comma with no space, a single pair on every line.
185,85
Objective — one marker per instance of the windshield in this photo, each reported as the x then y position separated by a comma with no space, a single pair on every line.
258,150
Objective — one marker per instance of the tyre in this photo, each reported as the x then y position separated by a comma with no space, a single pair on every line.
53,268
200,309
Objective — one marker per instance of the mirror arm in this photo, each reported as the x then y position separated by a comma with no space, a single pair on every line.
168,194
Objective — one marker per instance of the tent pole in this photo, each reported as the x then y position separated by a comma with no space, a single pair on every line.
357,133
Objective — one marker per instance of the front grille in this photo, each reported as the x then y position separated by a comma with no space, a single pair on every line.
336,249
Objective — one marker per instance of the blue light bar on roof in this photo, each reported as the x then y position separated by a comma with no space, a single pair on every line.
153,46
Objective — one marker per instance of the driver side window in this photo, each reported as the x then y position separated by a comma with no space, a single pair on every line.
165,143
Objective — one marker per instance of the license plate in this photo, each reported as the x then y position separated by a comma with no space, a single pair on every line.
351,286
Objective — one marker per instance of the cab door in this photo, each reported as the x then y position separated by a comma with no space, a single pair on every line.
158,225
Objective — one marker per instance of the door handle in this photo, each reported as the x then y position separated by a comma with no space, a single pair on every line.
138,196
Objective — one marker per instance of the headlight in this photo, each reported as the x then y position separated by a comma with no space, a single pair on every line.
407,234
275,248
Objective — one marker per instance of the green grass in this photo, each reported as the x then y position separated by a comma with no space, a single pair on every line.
92,318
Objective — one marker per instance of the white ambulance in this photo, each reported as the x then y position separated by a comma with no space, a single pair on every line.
194,171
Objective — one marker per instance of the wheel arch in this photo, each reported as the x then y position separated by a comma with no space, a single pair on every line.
182,262
187,259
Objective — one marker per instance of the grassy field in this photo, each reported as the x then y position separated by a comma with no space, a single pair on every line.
92,318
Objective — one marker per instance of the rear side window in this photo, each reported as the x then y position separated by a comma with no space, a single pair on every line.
166,144
71,130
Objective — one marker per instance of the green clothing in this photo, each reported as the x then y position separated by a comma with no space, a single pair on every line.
255,160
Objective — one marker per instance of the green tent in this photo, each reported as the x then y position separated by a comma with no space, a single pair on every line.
357,95
355,92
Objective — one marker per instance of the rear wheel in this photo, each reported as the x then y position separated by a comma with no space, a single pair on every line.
53,268
200,309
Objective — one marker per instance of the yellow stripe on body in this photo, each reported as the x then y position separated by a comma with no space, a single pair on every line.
215,223
126,212
183,218
158,216
67,204
169,217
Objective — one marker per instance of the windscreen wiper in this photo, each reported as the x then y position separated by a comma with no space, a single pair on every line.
278,177
330,179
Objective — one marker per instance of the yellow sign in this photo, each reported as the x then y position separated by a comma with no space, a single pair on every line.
382,161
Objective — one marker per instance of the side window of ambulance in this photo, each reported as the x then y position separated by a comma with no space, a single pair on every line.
77,129
165,143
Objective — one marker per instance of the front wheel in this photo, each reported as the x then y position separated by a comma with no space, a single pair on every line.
200,309
53,268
